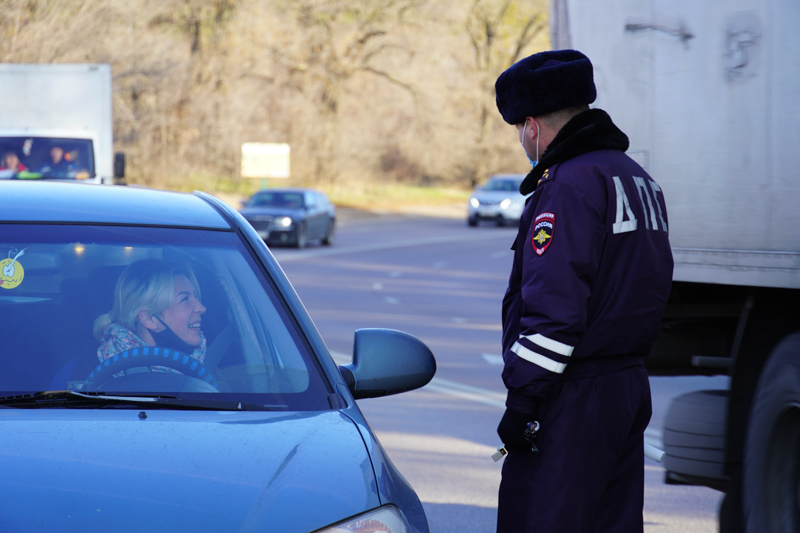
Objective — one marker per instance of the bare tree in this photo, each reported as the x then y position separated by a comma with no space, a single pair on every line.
338,41
362,89
500,31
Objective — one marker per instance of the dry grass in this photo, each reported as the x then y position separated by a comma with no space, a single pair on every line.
369,196
393,196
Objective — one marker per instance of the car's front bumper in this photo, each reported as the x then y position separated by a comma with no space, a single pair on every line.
274,234
495,212
280,236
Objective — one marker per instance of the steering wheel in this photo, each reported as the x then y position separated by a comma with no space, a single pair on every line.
194,377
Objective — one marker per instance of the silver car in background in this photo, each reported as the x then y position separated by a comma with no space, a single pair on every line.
498,200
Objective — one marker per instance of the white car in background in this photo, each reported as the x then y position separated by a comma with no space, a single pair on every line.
498,200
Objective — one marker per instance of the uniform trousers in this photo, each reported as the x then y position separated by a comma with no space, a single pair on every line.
589,474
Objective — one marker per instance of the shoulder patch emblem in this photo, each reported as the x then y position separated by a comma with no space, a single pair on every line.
544,225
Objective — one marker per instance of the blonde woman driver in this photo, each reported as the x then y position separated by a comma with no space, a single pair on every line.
156,303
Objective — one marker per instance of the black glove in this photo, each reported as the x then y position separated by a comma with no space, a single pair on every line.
510,430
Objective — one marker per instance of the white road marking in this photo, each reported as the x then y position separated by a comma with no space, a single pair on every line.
341,358
440,264
493,359
377,286
654,437
467,392
286,256
390,300
394,274
459,320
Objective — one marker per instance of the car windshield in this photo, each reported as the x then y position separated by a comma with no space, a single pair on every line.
502,185
289,200
84,308
49,157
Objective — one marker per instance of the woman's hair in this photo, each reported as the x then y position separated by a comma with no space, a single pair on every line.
146,285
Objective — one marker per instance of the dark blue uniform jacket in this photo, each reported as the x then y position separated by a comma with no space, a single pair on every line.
591,275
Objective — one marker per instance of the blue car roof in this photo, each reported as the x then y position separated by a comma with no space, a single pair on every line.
24,201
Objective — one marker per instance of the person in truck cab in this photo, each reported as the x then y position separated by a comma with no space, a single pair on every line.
11,162
63,164
57,162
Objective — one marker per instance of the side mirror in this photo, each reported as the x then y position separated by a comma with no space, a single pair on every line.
387,362
119,165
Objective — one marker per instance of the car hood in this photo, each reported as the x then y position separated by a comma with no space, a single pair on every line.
111,470
270,211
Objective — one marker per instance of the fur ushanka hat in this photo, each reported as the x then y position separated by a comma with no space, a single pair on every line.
543,83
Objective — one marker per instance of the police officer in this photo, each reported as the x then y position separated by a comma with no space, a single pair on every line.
591,276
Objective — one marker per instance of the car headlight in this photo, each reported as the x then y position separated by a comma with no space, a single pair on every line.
384,519
505,203
474,202
285,221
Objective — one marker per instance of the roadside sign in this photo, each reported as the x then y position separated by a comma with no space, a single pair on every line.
265,160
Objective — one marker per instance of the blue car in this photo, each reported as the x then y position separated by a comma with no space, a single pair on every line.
159,373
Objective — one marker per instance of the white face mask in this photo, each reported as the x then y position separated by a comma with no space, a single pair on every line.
524,129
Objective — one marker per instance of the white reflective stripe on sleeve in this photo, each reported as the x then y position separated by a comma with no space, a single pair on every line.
550,344
537,359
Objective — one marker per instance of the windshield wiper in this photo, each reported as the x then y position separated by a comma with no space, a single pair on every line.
72,399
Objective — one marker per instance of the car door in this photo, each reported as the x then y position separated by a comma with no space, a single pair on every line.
313,219
327,213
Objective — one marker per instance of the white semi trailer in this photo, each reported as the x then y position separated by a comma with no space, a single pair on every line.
55,123
709,94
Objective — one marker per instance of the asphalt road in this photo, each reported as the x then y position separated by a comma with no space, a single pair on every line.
443,282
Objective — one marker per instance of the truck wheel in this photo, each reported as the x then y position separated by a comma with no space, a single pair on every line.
772,451
694,438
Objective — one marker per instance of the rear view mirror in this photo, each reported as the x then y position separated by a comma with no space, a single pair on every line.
119,165
387,362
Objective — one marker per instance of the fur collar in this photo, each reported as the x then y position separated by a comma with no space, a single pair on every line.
585,132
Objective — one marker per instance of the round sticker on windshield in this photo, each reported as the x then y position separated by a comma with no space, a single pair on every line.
11,272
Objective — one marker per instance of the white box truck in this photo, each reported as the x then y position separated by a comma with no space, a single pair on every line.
709,94
55,123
